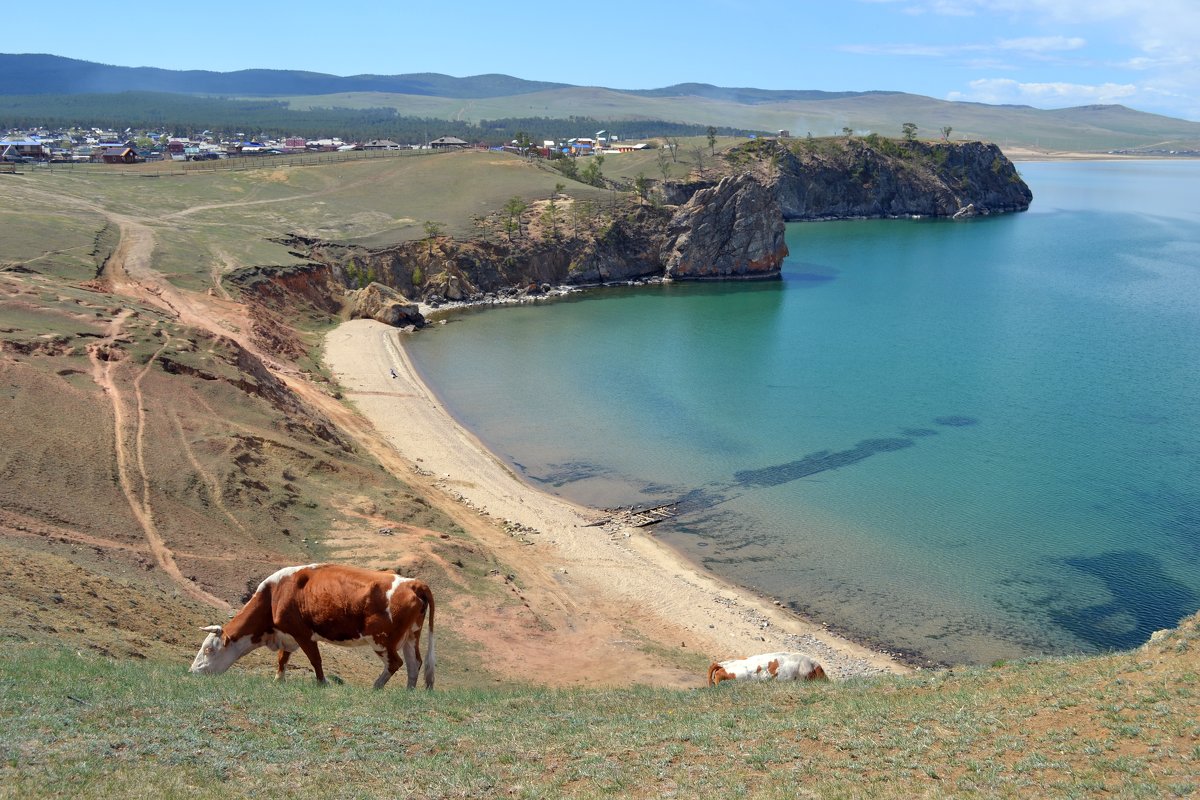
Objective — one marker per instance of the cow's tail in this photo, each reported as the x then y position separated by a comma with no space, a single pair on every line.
422,591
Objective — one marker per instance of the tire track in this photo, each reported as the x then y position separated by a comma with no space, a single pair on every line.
14,524
209,479
131,465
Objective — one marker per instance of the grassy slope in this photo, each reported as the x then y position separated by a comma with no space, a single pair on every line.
237,488
1121,726
1085,129
203,213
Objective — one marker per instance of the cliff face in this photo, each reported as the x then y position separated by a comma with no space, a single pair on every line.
876,177
733,230
730,226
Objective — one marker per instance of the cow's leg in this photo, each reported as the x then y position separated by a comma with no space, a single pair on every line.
391,663
314,656
281,664
412,660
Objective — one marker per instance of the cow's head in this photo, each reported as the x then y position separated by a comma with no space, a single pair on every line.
717,673
218,652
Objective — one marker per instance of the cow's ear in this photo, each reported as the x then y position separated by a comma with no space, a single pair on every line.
212,629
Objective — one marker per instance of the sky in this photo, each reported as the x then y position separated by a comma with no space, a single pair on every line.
1043,53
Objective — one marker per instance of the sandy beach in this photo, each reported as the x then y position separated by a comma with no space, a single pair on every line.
589,583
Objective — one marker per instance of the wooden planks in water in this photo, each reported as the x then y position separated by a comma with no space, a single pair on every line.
637,518
649,516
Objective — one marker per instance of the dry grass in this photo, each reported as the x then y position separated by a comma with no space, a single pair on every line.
1119,726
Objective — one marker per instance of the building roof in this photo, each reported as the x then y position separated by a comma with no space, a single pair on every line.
448,140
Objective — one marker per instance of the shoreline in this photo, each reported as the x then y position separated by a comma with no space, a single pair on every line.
1017,153
608,569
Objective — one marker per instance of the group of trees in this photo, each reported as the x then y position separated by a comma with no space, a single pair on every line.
560,216
591,173
189,115
908,130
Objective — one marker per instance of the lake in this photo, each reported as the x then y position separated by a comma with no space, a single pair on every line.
966,440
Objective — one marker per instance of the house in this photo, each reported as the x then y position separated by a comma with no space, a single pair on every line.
19,149
114,155
324,145
581,146
381,144
448,142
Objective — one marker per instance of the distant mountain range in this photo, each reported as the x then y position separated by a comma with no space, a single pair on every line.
46,74
433,95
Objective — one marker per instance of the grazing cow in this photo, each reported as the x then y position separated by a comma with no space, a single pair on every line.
768,667
299,606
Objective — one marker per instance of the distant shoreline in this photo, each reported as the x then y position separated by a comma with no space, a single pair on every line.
1016,154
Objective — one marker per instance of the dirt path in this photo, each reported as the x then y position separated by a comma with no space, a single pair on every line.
218,271
210,480
331,189
131,466
14,524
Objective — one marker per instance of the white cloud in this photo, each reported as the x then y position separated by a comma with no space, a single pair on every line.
923,50
1138,53
1029,45
1043,95
1042,44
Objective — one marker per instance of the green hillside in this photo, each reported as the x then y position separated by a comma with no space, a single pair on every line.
75,724
1087,128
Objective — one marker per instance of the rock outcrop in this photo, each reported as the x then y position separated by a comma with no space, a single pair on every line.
877,177
383,304
733,230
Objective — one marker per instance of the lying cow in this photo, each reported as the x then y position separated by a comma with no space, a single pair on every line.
299,606
768,667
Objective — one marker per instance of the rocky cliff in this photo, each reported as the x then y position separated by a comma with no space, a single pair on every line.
732,230
729,225
878,177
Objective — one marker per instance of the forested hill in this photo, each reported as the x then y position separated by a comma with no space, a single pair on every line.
27,74
183,114
474,100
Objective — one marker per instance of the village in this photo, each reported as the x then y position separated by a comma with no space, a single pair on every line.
96,145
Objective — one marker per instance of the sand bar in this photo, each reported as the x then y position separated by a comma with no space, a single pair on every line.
606,570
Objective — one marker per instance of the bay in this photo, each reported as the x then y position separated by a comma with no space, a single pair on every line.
966,440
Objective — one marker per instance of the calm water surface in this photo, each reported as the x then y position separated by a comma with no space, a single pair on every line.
969,440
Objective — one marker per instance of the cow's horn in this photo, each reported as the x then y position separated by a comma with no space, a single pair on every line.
211,629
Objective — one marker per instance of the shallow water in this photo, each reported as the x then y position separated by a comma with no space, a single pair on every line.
969,440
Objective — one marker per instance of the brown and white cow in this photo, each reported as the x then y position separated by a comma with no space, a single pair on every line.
297,607
768,667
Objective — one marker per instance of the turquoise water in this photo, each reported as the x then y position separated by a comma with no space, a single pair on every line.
970,441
